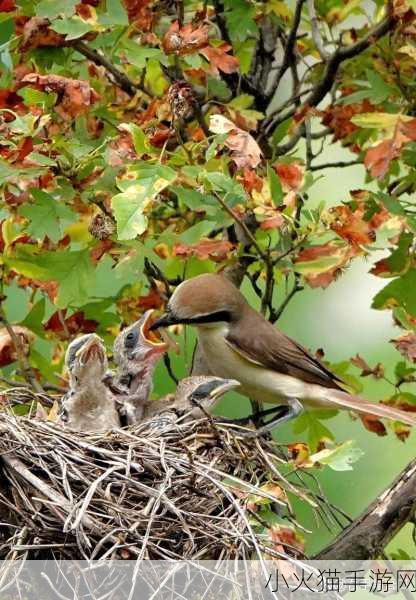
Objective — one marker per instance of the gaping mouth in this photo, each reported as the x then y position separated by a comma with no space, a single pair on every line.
93,349
160,340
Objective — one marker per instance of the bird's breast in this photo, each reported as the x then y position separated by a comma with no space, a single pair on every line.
260,383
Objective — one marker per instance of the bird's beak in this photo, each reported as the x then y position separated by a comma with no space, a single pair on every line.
164,321
93,348
218,387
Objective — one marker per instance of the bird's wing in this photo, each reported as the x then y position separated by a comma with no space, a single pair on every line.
262,344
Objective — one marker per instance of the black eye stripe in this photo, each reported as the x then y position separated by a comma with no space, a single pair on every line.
221,315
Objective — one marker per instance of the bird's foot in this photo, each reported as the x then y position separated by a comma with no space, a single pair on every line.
284,412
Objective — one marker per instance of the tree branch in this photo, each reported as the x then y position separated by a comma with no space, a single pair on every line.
370,533
316,34
334,165
120,78
331,68
289,54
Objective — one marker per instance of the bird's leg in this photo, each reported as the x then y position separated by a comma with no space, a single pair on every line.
256,413
260,416
287,412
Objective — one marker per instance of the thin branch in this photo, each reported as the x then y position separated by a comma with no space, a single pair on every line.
289,53
316,34
276,314
334,165
369,534
336,59
243,226
120,78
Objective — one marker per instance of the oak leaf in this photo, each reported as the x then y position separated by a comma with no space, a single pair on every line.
75,96
245,151
67,327
220,60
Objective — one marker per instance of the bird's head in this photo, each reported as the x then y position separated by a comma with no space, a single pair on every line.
136,345
202,300
203,390
86,360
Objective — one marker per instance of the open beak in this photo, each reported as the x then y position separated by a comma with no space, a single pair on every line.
216,388
91,350
160,341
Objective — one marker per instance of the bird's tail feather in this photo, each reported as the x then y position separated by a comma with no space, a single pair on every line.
357,404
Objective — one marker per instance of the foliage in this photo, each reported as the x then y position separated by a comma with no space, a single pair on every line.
147,141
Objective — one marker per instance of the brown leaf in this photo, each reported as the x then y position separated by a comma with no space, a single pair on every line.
322,277
245,151
37,34
140,13
220,60
152,300
216,250
65,328
275,222
8,352
185,40
75,96
290,175
351,225
359,362
250,180
378,159
373,424
406,345
338,117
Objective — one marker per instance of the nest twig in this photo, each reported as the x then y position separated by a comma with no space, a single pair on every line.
187,490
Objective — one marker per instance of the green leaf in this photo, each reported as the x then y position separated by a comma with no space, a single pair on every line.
377,120
140,142
31,96
115,14
400,292
53,8
45,215
196,232
130,205
34,318
240,21
280,132
72,27
139,55
224,183
309,421
339,458
275,186
73,270
379,89
241,102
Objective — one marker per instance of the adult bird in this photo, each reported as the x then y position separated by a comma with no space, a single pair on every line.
136,352
239,343
88,405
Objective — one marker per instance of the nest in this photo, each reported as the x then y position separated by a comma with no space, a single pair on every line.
184,490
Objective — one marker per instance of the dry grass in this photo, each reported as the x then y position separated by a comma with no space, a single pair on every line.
161,491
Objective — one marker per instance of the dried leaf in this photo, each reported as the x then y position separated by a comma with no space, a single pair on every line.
290,175
8,353
37,33
406,345
216,250
244,149
65,328
185,40
373,424
220,60
75,96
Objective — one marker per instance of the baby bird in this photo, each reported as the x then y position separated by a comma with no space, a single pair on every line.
136,352
88,405
196,395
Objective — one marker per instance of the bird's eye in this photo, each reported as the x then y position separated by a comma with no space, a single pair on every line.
130,339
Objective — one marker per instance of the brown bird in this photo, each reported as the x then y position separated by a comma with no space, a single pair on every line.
239,343
88,405
136,352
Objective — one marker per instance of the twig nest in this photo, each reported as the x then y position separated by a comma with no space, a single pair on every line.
165,489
